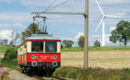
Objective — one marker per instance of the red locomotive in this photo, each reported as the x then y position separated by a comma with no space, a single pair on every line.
39,53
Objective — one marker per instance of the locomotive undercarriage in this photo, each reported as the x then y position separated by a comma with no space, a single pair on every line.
42,69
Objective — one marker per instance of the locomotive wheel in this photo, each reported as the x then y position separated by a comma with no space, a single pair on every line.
41,74
49,73
28,71
22,69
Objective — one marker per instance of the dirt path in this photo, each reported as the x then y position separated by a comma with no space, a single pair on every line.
16,75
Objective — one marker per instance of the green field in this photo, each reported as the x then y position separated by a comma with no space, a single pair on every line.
75,49
94,49
3,48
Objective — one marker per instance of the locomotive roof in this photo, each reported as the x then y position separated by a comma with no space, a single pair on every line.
42,37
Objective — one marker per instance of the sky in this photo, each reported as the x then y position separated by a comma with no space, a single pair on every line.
15,15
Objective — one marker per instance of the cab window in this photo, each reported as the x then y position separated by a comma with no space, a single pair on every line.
51,47
37,46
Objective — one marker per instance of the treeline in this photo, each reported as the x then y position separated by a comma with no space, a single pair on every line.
121,35
69,43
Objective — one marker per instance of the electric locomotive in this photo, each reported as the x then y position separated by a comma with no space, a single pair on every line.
40,53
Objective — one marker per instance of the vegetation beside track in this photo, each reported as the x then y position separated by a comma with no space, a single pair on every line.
75,49
3,48
10,58
93,73
12,62
5,76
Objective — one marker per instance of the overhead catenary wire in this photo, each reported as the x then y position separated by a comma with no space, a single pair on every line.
58,5
49,6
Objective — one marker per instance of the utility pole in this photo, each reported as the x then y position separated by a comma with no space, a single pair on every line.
86,27
86,36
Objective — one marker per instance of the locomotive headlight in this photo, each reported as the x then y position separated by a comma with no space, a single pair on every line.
34,63
54,64
33,57
54,57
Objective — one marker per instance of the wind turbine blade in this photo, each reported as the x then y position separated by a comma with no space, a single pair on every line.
100,7
112,16
99,24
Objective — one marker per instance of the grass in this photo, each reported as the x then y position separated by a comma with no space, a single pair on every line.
3,48
5,76
12,62
75,49
93,73
72,49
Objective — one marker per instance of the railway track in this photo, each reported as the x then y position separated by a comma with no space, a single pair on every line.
49,78
38,77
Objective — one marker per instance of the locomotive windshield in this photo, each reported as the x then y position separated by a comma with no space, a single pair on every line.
51,47
37,46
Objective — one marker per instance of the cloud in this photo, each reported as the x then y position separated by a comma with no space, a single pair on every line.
11,25
9,35
114,1
15,17
93,38
6,34
96,36
78,35
112,28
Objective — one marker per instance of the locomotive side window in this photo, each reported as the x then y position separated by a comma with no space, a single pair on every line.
51,47
37,46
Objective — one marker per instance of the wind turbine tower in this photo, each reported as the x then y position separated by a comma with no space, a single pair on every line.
102,21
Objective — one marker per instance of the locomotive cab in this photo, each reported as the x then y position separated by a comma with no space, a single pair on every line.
40,52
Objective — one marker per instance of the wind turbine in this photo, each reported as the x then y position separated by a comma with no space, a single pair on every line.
102,21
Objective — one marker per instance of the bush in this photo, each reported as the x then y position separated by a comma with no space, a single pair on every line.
96,43
10,54
93,73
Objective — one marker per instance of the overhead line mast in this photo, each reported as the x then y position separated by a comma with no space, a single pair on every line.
86,27
58,13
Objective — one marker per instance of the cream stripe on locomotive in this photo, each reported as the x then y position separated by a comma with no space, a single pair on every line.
58,47
29,47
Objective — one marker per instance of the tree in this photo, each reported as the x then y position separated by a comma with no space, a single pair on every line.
96,43
10,54
81,41
5,41
31,29
121,33
61,46
68,43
